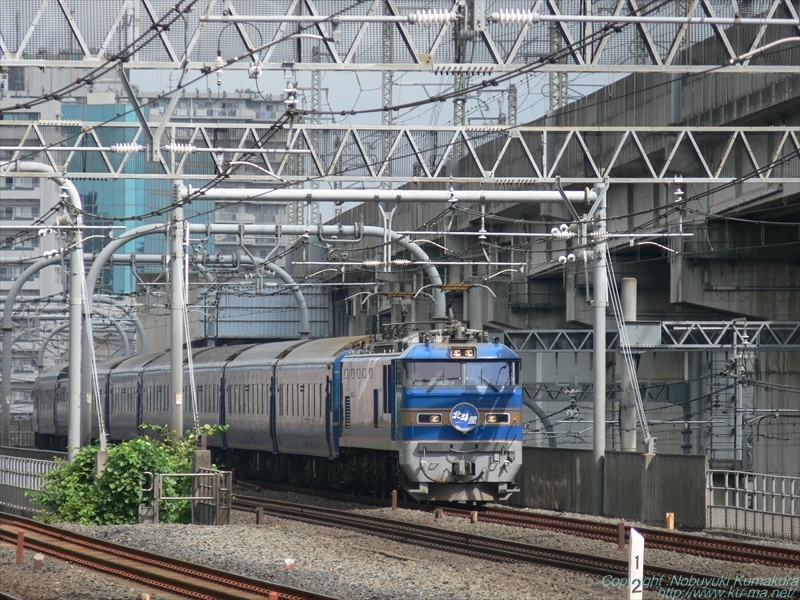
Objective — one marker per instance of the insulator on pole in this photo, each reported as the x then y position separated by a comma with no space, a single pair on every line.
179,148
431,17
126,148
560,234
514,16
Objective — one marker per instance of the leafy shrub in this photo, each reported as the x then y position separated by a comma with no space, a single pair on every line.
72,493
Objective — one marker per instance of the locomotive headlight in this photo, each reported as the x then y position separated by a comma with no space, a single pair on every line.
431,419
462,352
497,418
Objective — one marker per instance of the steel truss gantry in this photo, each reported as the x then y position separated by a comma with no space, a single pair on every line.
521,155
669,335
622,35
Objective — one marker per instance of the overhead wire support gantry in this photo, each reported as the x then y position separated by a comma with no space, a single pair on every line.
505,38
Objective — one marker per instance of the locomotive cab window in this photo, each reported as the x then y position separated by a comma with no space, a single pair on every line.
495,374
432,373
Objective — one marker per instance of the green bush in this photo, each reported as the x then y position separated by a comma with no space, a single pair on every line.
72,493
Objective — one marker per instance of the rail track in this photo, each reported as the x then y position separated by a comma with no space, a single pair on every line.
494,549
733,551
165,573
709,547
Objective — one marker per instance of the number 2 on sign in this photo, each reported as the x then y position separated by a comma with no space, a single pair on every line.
635,566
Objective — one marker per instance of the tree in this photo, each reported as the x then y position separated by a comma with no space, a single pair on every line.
71,492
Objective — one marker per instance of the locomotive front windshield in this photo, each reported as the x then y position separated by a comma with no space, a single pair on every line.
495,374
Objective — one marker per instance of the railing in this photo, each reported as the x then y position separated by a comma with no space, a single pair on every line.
32,453
22,439
18,474
754,503
210,496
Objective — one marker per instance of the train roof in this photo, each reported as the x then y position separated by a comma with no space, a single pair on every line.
55,371
134,363
109,364
262,354
323,350
219,354
160,363
439,351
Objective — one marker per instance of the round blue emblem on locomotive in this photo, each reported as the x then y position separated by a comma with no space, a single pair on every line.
464,417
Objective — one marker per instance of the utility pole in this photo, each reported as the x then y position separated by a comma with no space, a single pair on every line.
76,275
176,308
600,303
627,405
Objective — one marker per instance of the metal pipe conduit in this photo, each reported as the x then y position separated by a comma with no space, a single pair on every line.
113,320
320,195
7,328
302,305
102,298
56,330
76,278
348,230
113,245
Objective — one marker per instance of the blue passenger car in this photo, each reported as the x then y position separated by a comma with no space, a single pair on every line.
437,413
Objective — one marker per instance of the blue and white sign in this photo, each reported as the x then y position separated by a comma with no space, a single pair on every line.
464,417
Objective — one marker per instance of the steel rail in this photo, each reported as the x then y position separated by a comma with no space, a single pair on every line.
480,546
675,541
720,549
166,573
729,550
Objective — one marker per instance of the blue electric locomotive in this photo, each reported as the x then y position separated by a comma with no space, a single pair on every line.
459,411
438,413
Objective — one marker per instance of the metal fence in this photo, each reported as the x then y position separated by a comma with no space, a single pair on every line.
210,496
24,439
754,503
21,470
18,474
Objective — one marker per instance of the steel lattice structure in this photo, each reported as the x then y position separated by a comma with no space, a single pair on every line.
520,155
623,35
669,335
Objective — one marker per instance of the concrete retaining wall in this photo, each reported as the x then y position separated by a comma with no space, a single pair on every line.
677,483
555,479
641,487
626,485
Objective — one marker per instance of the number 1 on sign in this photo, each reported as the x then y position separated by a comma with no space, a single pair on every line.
636,566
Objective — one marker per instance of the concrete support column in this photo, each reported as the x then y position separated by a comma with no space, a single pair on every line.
176,321
476,310
627,406
600,303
